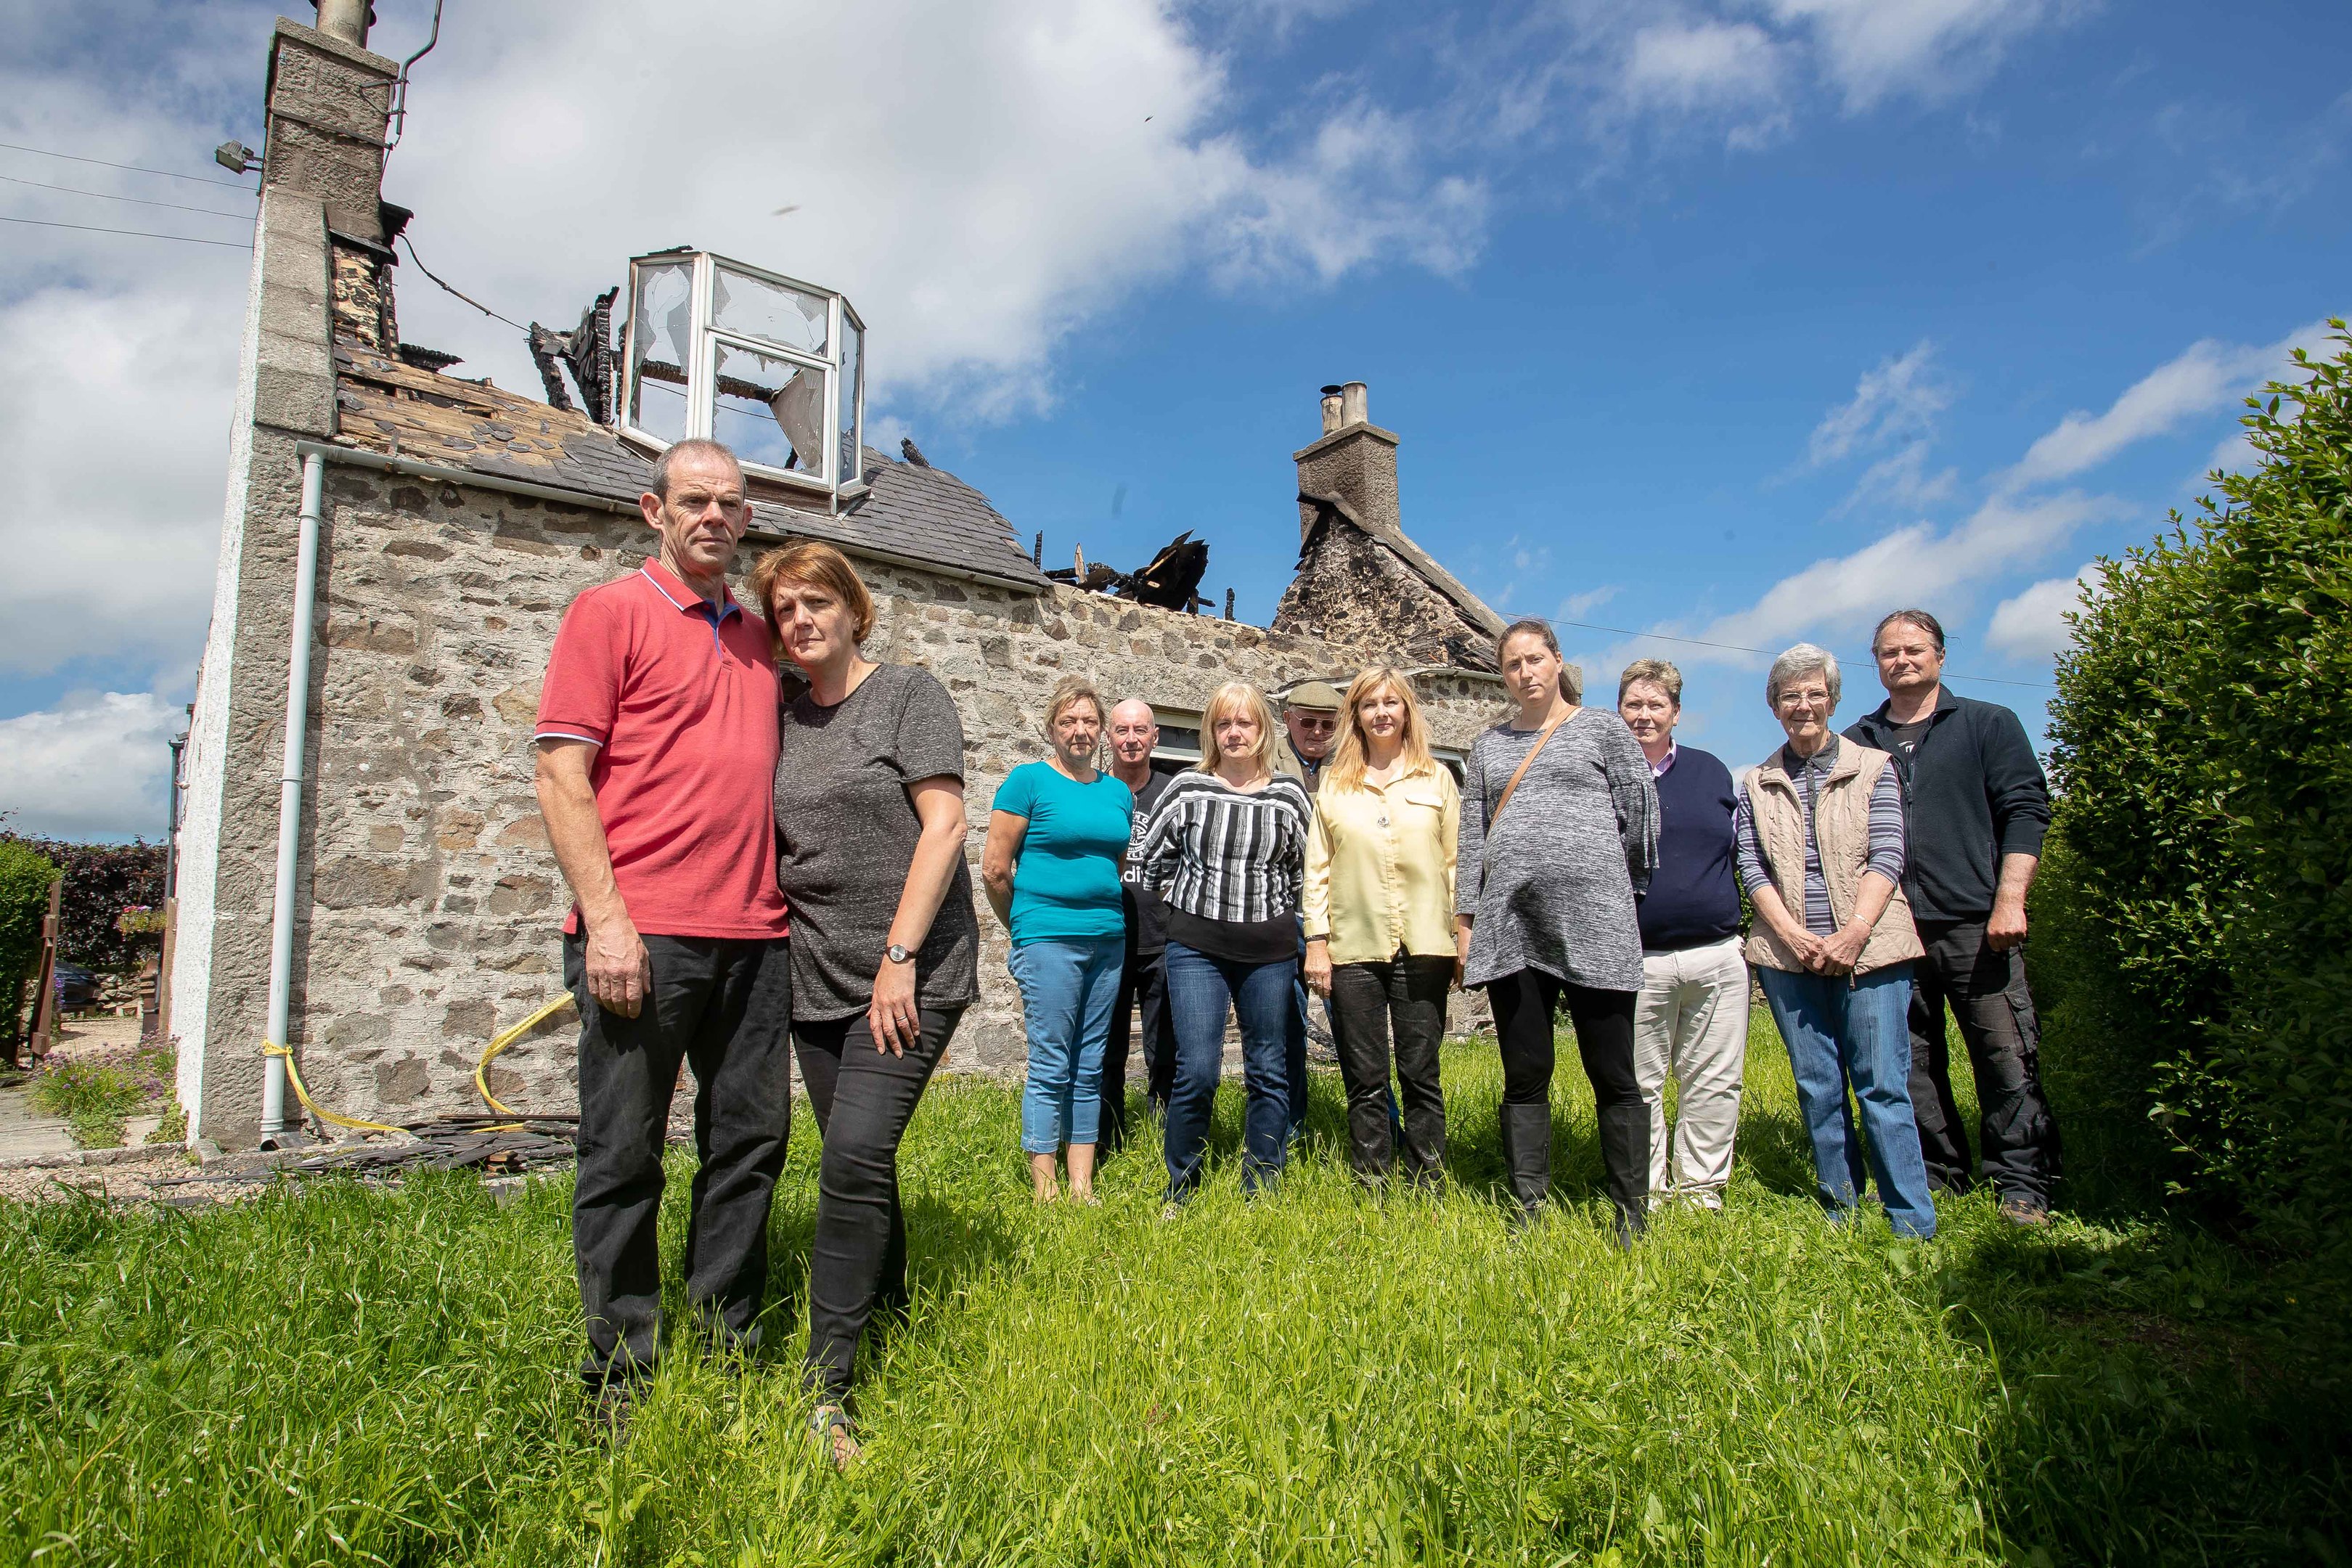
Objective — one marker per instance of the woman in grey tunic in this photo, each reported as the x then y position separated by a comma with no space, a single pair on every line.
1544,908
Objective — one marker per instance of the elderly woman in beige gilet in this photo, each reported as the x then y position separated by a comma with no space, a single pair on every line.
1819,837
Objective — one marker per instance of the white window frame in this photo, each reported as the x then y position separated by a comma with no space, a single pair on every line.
702,369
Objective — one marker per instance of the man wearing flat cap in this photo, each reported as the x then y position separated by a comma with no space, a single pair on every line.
1310,717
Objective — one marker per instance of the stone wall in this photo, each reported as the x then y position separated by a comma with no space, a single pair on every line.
434,903
1353,591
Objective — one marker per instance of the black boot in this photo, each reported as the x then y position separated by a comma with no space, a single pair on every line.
1527,1159
1625,1151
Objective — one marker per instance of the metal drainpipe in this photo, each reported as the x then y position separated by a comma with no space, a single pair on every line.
290,795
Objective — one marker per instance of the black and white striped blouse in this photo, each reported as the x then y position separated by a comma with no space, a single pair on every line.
1222,854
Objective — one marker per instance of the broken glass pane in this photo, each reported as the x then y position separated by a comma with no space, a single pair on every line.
853,355
663,314
771,410
769,311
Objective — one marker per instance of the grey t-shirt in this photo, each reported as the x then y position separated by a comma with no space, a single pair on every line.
1147,917
845,834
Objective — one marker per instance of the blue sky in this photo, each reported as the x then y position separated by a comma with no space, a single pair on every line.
1738,321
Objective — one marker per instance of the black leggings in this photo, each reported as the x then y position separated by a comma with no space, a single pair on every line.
857,1262
1525,1005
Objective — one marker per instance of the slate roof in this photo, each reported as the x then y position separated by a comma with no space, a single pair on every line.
923,516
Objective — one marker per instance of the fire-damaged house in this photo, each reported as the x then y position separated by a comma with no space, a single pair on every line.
363,877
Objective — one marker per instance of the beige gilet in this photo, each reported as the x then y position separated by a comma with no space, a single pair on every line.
1841,819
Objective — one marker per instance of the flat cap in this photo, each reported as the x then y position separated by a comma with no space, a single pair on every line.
1316,696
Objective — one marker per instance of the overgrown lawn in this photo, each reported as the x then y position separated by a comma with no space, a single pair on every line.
337,1374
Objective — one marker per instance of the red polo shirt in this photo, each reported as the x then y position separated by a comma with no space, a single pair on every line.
679,700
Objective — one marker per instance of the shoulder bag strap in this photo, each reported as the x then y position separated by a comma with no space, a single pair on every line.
1526,762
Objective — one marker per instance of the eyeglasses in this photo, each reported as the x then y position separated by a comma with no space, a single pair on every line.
1318,726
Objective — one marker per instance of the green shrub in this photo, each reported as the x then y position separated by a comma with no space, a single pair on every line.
102,880
95,1099
24,878
2202,746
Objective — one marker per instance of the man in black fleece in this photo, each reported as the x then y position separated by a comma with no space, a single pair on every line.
1976,805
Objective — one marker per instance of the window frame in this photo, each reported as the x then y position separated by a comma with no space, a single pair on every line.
702,369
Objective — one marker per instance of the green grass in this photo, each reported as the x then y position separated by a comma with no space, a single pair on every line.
334,1375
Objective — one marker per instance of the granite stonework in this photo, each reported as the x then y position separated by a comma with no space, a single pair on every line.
434,903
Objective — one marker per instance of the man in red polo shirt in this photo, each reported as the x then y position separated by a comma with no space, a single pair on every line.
656,742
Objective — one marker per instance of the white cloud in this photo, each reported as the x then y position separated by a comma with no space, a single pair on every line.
2203,378
2013,528
114,430
1847,594
1901,481
978,178
2033,624
1684,65
1898,400
1578,606
91,767
1746,69
1873,50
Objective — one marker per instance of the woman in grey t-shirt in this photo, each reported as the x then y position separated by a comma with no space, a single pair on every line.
1544,903
885,944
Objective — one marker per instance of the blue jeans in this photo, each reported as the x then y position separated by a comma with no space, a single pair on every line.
1200,991
1067,987
1853,1031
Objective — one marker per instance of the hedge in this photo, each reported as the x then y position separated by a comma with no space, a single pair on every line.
102,882
2202,755
24,878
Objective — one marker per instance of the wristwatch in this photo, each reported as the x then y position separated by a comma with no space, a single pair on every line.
897,954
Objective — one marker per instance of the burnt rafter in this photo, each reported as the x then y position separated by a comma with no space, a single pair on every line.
586,351
1171,581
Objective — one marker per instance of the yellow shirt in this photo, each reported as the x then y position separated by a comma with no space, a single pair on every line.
1379,868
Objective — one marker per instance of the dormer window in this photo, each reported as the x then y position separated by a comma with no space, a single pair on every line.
772,367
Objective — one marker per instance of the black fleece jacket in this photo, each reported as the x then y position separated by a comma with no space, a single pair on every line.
1973,791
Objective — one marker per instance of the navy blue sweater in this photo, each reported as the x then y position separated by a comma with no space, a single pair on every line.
1694,897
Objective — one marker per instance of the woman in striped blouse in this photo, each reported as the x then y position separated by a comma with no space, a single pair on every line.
1225,851
1818,840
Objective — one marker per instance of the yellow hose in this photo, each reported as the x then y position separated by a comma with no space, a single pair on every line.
481,1070
482,1067
294,1077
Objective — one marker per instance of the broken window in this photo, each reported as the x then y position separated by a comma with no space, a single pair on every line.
661,350
852,390
772,367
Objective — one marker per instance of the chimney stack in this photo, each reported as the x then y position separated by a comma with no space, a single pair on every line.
328,98
347,20
1352,464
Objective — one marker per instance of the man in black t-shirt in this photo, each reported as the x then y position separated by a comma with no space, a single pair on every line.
1975,806
1143,984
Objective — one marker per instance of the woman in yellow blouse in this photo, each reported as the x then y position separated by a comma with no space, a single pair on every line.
1379,918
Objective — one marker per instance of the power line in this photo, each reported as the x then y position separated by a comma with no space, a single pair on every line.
485,309
139,233
1742,647
134,168
138,201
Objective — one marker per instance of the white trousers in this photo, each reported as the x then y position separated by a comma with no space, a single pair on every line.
1691,1018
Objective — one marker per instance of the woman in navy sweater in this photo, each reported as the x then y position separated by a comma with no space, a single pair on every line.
1692,1016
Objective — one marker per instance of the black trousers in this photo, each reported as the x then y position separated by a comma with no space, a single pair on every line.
1525,1005
1988,993
863,1098
1142,987
1403,996
724,1006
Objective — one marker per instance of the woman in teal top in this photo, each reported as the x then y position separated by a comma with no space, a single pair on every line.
1050,864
